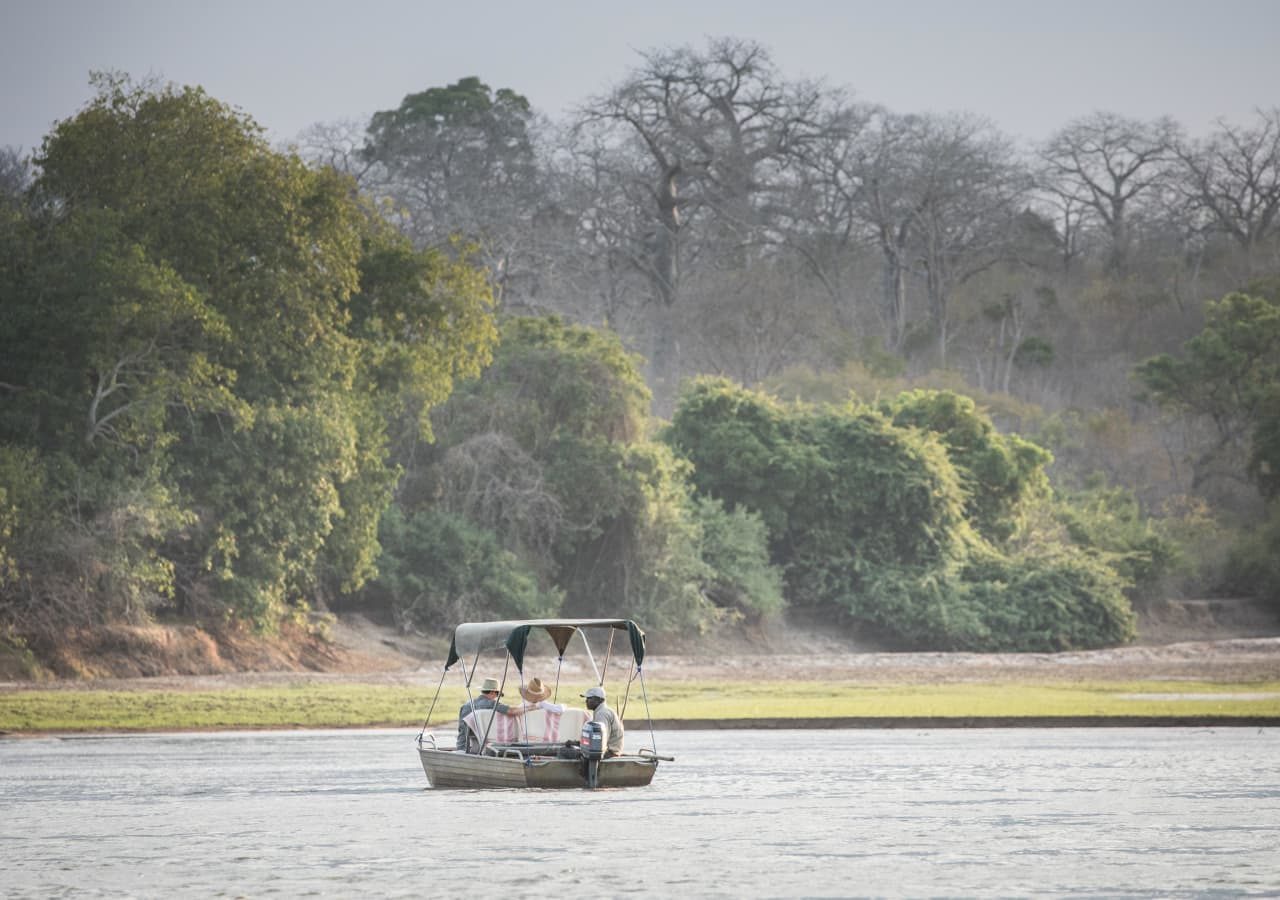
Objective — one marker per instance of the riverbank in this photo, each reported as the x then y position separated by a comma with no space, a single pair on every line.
796,678
700,704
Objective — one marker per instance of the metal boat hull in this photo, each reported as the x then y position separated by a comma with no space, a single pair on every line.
454,769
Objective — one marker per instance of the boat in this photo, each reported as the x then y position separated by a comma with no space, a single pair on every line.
540,749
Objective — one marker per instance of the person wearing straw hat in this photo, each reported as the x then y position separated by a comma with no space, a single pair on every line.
603,714
536,692
487,699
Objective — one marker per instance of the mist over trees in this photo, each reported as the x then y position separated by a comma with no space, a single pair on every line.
411,362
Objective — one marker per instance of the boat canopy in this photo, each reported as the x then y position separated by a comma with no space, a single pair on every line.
473,637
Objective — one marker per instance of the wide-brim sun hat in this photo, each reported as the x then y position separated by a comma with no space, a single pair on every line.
535,691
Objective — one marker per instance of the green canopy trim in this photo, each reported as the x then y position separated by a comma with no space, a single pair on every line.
471,638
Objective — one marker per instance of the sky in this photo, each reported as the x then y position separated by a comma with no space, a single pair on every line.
1028,66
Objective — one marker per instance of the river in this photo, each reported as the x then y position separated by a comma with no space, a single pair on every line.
845,813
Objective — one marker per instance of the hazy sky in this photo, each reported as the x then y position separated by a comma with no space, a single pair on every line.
1029,66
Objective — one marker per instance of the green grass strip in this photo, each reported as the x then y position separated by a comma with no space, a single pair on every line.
353,705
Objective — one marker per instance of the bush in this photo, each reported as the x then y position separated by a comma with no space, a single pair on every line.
545,451
1066,602
999,472
733,545
1254,563
439,569
1110,521
872,517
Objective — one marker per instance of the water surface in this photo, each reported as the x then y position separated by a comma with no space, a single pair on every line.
1043,812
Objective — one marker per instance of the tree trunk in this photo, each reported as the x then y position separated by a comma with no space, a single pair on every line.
894,299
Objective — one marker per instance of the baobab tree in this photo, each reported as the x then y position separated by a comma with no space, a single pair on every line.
1111,164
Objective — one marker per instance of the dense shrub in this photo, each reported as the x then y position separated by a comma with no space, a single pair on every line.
740,577
1254,565
999,471
873,518
1110,521
546,452
438,569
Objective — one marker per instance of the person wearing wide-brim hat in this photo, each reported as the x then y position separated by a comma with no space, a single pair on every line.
486,698
536,693
600,712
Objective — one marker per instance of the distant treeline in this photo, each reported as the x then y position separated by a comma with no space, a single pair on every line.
237,384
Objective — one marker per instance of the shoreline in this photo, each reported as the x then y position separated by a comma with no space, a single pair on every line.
832,723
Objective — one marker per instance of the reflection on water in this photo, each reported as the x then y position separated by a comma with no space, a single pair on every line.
1155,812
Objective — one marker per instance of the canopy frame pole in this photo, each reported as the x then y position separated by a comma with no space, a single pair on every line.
608,654
502,684
587,646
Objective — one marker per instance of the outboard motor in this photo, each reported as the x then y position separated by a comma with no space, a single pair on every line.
595,738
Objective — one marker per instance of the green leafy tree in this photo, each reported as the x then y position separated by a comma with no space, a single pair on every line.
460,160
748,451
439,569
876,521
743,580
1228,375
546,451
1110,521
999,472
231,332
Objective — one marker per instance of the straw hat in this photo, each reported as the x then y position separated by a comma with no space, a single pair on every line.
490,684
535,690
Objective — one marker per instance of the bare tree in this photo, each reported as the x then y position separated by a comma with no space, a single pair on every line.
1234,176
824,224
751,323
492,482
893,211
602,265
338,145
1066,204
716,127
970,189
1110,163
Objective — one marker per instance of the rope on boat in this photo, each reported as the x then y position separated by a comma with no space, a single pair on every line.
626,694
644,692
439,685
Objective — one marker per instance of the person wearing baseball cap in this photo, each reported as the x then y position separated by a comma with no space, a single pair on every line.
603,714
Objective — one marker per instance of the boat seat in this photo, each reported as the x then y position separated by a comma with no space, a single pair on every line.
535,726
554,728
503,730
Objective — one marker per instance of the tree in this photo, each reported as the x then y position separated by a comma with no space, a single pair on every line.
970,192
15,174
1234,177
225,333
1000,473
1228,375
883,166
715,128
1111,164
460,161
546,452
